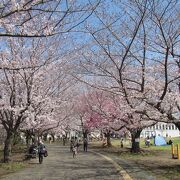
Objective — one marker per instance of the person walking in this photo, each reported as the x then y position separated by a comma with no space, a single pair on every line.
71,145
74,150
64,140
122,145
41,151
76,143
85,144
147,141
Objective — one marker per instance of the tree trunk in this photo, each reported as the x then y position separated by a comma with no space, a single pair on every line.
85,133
135,136
177,125
36,138
16,138
28,138
45,136
7,147
108,136
28,141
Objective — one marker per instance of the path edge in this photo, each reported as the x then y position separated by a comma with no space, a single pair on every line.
121,171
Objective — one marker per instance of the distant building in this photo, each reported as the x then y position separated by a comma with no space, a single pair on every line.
162,129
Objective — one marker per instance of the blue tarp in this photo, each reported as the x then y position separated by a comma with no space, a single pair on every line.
160,141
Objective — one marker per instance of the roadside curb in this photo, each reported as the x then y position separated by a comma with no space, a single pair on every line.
121,171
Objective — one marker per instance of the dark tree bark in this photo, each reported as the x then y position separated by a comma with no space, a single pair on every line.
28,135
85,133
177,125
135,138
108,138
7,147
16,138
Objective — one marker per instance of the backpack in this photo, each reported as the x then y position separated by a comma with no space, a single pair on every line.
46,154
42,149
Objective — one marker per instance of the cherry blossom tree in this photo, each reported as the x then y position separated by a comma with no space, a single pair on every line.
21,61
41,18
19,65
49,108
134,55
105,114
109,113
166,43
14,103
81,111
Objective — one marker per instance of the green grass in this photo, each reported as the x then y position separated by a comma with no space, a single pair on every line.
12,166
175,140
127,143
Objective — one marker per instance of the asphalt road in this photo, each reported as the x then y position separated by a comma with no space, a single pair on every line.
62,166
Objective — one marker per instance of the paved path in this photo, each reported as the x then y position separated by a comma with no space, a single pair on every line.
133,169
62,166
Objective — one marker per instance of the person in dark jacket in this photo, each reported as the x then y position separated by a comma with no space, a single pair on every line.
85,144
41,150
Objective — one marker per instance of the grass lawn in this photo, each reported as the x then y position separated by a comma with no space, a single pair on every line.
156,159
17,163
